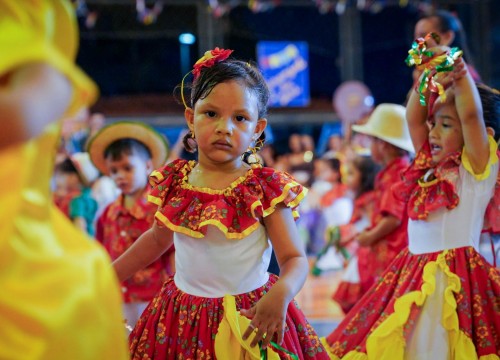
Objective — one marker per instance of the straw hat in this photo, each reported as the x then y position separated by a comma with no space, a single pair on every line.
141,132
388,122
86,170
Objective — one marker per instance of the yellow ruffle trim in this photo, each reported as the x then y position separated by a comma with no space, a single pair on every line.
229,343
492,160
387,342
223,228
199,235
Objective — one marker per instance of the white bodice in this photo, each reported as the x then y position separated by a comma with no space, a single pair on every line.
214,266
461,226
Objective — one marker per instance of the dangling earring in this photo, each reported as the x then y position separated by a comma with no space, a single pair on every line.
250,156
189,142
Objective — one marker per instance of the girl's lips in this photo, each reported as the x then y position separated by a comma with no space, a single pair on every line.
222,145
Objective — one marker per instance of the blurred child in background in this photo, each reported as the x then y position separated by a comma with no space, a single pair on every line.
128,152
359,177
73,193
387,235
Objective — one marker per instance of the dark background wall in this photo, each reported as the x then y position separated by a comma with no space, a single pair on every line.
137,66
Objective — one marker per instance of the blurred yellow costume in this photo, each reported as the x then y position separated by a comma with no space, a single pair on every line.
59,298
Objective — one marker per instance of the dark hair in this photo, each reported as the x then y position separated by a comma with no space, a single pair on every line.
224,71
126,146
490,101
66,167
446,21
334,164
369,170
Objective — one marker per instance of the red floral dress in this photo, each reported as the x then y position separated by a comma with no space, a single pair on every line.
373,260
178,325
350,289
441,304
117,229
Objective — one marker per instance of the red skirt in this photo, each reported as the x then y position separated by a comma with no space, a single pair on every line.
372,261
470,307
176,325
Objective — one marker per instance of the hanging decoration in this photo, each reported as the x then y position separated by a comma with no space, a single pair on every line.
83,11
146,15
260,6
220,8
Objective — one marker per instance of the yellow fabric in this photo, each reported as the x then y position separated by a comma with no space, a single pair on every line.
492,160
386,342
229,343
59,298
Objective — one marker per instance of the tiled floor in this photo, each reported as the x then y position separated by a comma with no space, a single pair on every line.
316,303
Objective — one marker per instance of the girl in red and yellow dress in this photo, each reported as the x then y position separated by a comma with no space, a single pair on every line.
224,216
359,178
59,298
439,299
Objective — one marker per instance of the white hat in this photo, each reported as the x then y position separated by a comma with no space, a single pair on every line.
388,122
153,140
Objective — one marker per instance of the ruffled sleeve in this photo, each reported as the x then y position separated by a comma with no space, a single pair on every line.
426,187
492,215
164,179
236,211
271,188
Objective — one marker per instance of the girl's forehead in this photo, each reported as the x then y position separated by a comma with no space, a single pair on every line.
230,94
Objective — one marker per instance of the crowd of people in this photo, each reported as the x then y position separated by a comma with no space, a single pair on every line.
177,253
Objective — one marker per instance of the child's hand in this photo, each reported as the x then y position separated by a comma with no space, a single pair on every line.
267,320
364,238
459,69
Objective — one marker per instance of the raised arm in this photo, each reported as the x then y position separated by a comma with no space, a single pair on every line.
31,97
146,249
416,116
470,112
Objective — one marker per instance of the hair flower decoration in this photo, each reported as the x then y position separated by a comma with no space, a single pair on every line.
210,58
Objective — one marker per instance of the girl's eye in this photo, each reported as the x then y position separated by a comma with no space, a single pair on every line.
210,114
240,118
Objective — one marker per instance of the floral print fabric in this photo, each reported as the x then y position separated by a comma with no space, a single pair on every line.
474,308
177,325
236,210
117,229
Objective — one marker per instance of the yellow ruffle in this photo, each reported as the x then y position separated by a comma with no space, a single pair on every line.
492,160
229,343
387,342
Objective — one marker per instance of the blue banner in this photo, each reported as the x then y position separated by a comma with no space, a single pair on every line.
285,66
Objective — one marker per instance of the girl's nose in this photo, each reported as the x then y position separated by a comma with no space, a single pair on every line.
224,126
433,132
